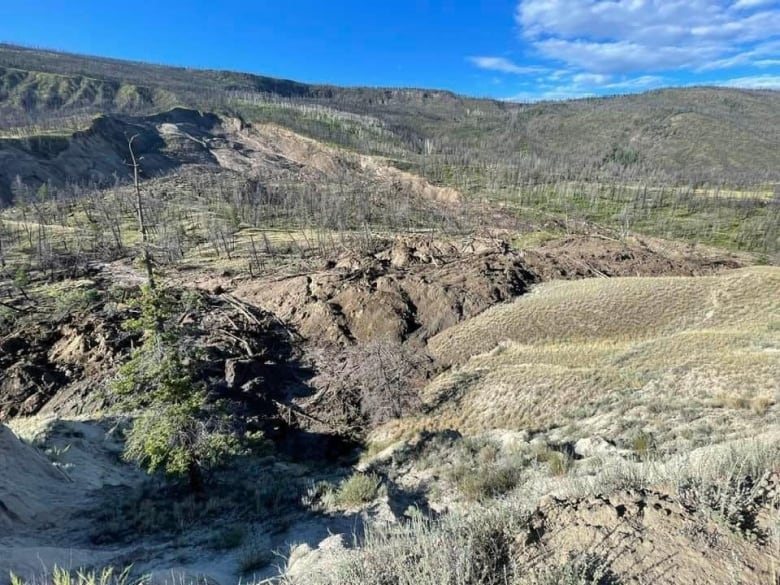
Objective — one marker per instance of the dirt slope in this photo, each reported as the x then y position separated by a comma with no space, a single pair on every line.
593,256
416,287
180,137
587,310
410,290
30,486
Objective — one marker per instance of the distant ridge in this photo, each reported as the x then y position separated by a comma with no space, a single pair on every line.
714,135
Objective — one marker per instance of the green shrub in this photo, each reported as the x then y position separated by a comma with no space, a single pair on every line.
73,301
358,489
180,439
484,482
179,431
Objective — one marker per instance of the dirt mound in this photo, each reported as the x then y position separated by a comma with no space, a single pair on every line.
63,364
652,537
56,365
412,289
30,486
593,256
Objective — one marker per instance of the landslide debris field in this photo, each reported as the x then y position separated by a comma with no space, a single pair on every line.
400,351
354,336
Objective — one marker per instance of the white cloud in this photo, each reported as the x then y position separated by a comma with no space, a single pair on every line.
556,94
752,57
579,85
639,36
590,79
504,65
747,4
587,47
623,57
642,82
754,82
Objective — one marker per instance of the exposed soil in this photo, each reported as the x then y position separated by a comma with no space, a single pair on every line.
274,328
286,348
653,537
419,286
413,289
58,366
181,137
64,366
598,256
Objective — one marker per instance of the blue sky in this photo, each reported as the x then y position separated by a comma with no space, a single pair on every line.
508,49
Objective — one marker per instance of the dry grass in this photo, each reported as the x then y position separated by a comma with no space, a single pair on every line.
624,309
686,359
481,544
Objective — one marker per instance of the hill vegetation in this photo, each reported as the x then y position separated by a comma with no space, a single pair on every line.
696,134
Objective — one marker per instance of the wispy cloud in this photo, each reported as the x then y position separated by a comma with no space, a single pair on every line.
504,65
754,82
590,79
747,4
641,82
590,47
641,36
559,87
755,57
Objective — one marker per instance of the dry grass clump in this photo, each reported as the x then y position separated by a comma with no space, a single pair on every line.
701,471
485,483
358,489
355,491
577,569
475,549
481,470
60,576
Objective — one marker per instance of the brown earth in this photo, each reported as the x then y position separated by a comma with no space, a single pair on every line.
591,256
178,138
412,289
64,366
58,366
404,293
419,286
655,537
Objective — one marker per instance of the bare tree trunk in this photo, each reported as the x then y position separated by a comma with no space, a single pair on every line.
142,227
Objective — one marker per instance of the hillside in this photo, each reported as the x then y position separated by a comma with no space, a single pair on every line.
603,356
697,134
365,336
